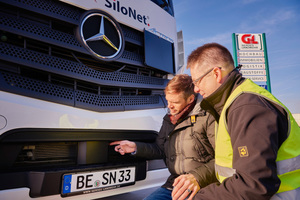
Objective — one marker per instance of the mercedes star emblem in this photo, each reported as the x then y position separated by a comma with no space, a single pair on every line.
101,35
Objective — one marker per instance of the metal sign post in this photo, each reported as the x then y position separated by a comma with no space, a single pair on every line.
250,51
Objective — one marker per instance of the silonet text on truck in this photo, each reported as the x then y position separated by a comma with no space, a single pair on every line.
128,11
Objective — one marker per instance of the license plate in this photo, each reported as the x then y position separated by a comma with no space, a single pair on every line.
95,181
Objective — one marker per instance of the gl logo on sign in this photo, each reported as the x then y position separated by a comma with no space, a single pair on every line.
248,39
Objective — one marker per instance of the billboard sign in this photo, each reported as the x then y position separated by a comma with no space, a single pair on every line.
249,42
250,53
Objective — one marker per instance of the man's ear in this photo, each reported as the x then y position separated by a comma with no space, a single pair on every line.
191,99
218,74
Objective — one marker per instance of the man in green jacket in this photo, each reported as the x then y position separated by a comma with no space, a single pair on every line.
185,142
257,152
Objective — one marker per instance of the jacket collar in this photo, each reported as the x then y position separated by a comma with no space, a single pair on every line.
196,111
187,122
215,102
197,107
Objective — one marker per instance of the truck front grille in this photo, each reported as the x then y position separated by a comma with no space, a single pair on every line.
41,58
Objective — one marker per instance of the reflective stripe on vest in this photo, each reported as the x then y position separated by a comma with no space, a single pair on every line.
289,195
288,155
224,171
285,166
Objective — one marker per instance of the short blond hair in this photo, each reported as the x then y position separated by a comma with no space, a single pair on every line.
181,83
211,54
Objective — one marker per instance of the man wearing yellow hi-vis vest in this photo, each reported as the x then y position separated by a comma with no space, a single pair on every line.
257,153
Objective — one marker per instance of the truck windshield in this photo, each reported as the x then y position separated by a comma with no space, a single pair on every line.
167,5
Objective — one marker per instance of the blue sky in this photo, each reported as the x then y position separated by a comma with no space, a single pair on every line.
215,21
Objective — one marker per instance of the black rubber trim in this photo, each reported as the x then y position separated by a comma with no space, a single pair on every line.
56,135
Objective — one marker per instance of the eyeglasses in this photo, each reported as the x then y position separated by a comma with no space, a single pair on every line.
198,80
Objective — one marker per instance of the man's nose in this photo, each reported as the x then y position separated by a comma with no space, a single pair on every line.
196,89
